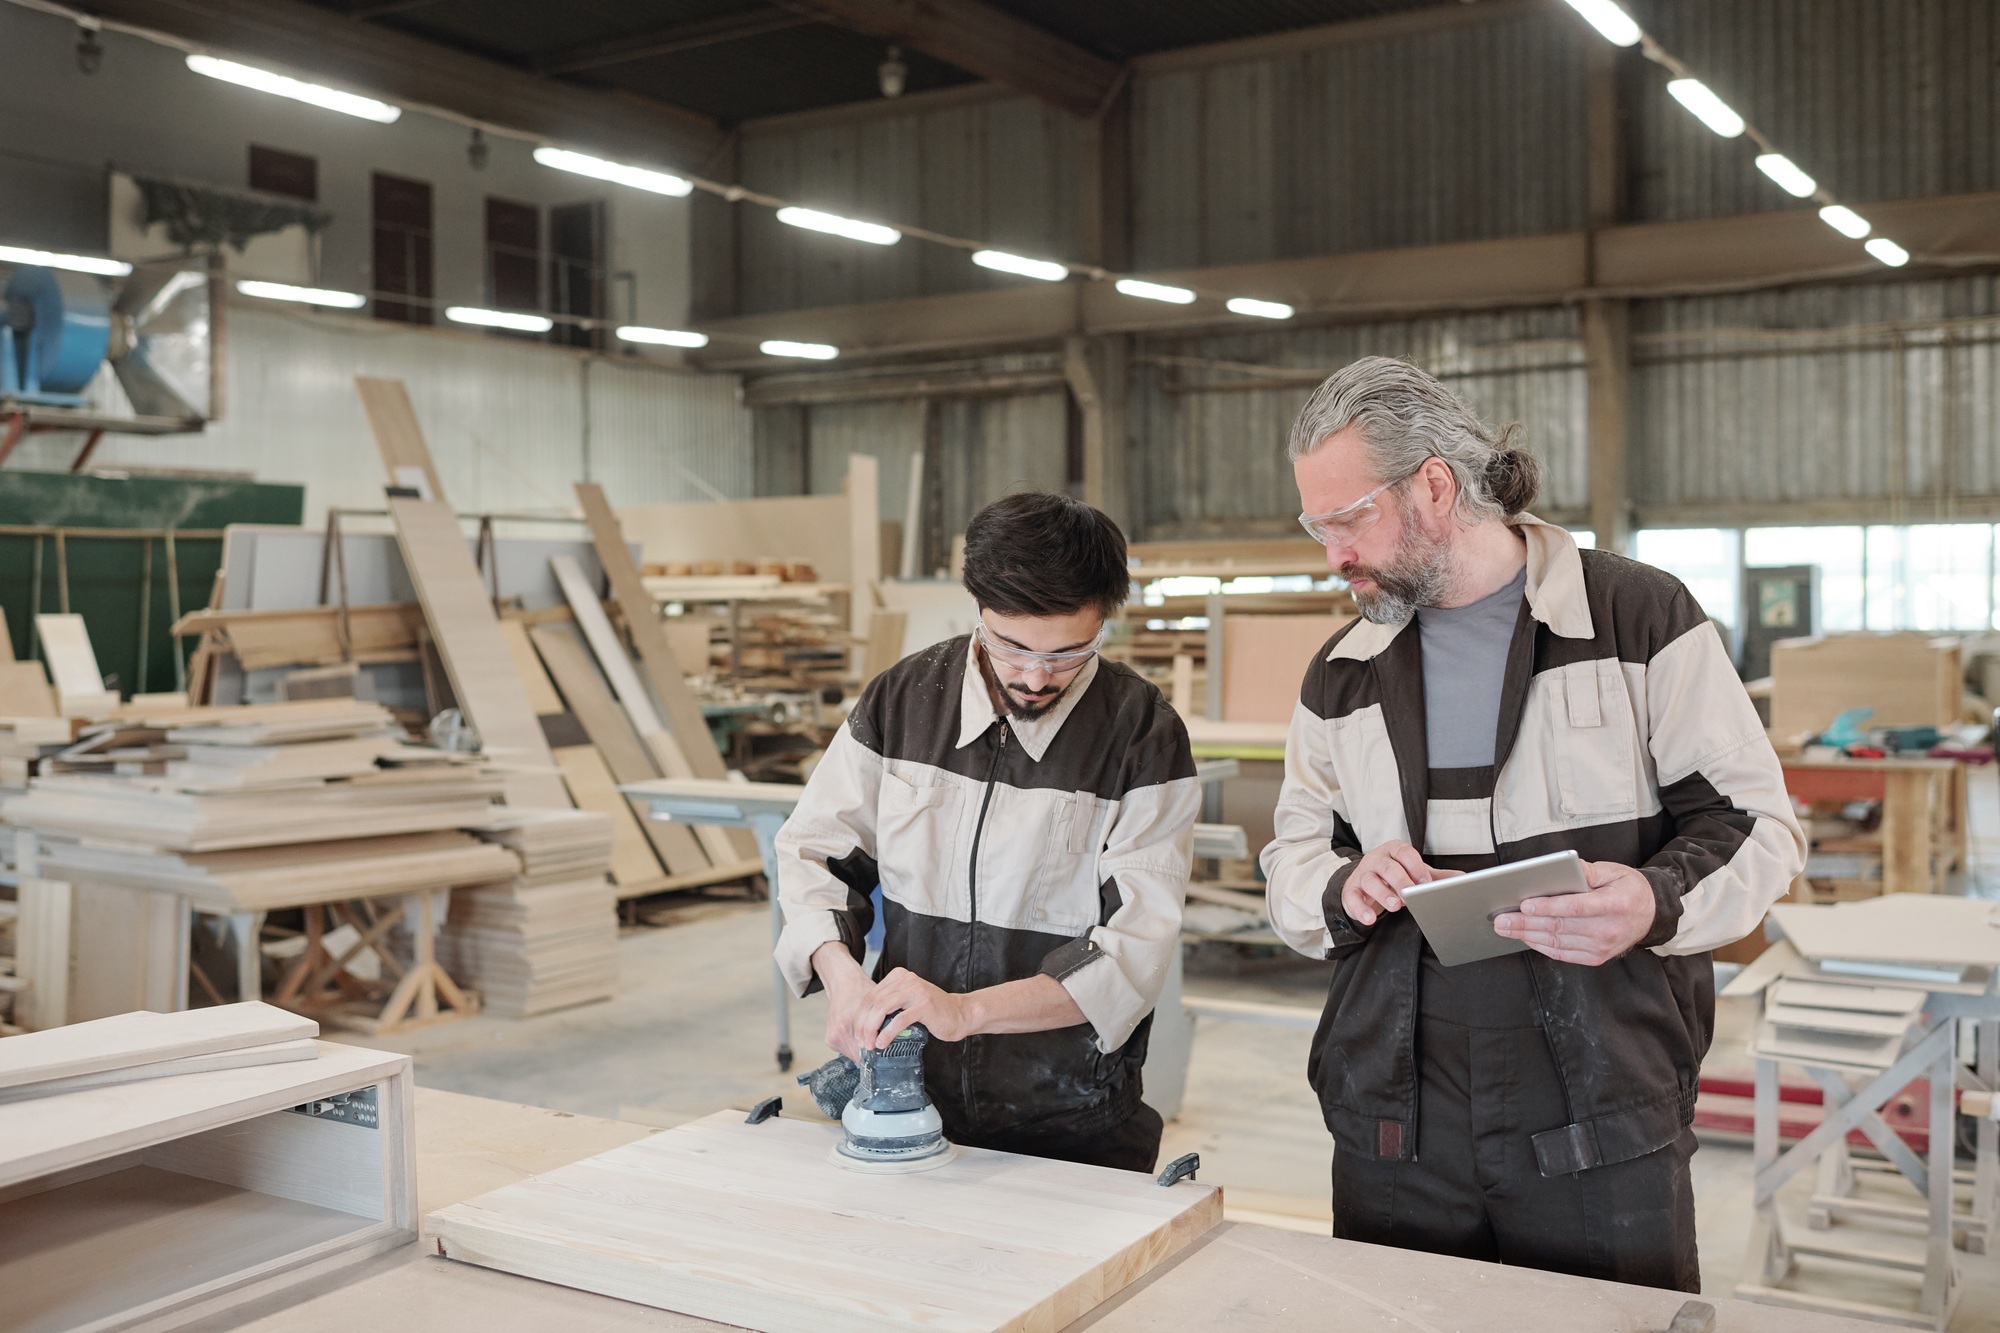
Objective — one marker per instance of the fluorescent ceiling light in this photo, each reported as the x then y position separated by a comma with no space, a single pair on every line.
657,182
103,268
1787,174
1706,107
1045,269
1886,250
1155,291
874,233
1243,305
1614,23
279,291
1845,221
636,333
499,319
809,351
264,81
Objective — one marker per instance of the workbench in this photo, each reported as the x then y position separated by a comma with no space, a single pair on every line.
1923,835
1237,1277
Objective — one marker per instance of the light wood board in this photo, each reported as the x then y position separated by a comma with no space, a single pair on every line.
24,690
755,1225
542,696
631,692
590,702
475,653
665,672
135,1039
72,661
270,1053
1901,928
1264,658
1908,679
398,438
632,860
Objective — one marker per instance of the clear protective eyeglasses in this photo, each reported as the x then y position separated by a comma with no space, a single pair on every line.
1347,524
1053,663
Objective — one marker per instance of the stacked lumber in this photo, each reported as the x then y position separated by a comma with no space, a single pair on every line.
134,1047
546,938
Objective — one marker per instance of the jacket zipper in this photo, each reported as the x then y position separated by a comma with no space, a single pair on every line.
972,894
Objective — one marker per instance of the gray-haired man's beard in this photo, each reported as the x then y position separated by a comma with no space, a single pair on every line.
1419,575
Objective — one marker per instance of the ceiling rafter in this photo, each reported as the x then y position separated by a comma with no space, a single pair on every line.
632,47
990,43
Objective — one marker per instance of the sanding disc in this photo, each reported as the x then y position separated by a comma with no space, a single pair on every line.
891,1166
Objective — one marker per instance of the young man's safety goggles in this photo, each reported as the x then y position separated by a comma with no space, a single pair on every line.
1053,663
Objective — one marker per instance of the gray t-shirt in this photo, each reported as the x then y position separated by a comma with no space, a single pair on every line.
1465,667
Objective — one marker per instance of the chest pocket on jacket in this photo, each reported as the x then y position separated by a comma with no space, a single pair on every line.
916,837
1065,898
1595,771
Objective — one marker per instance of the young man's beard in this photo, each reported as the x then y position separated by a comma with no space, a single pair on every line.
1019,711
1418,574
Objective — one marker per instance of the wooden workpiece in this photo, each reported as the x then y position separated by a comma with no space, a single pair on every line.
756,1225
1236,1279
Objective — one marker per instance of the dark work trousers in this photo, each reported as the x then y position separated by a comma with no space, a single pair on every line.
1133,1144
1474,1190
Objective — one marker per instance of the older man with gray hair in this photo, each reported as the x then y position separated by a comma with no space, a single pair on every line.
1505,695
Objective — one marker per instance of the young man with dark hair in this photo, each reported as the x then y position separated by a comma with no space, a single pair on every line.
1028,809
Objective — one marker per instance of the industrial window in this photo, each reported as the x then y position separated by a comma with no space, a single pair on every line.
275,171
576,270
1706,559
401,210
513,255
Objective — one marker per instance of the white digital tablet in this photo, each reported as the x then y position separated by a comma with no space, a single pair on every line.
1457,913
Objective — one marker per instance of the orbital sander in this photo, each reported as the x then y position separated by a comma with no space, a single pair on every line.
887,1119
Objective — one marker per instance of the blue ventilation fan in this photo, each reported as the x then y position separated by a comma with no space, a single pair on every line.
60,327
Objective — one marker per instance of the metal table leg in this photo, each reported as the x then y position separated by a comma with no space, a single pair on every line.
766,828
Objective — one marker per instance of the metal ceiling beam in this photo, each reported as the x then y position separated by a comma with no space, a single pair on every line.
333,48
385,8
668,41
1633,260
989,42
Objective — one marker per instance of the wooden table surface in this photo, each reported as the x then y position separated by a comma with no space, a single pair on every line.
1239,1277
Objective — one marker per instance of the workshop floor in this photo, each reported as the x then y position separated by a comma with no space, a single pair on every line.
691,1032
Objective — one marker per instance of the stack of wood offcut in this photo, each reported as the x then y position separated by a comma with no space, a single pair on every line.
546,938
272,805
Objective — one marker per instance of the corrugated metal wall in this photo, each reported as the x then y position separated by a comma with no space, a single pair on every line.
1878,99
510,425
1820,394
1209,458
1472,132
1002,170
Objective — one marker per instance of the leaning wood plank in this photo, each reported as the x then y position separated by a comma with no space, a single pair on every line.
625,683
754,1225
73,663
542,696
632,860
475,654
590,702
142,1038
398,437
41,950
663,669
24,691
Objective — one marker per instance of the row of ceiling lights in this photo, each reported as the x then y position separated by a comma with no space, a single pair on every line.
1606,16
1620,29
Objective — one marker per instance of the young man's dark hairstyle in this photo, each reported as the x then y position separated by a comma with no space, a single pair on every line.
1036,553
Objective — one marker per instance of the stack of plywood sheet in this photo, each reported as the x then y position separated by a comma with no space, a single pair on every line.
546,938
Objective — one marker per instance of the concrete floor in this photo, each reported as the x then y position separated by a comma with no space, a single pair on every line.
691,1032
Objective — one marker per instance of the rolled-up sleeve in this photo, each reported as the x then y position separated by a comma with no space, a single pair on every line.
825,852
1116,971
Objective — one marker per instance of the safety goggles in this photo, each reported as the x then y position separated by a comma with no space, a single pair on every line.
1347,524
1053,663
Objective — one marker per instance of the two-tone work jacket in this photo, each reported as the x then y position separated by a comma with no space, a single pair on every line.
1624,735
1004,848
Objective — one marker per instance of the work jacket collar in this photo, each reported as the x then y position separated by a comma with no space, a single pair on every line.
975,707
1555,593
